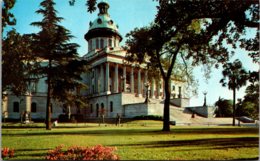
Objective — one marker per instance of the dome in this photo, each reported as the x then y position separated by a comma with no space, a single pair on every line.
103,25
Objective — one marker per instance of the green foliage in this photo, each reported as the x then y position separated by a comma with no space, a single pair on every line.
249,109
97,152
250,103
7,17
234,75
18,62
91,4
195,30
224,108
64,67
148,117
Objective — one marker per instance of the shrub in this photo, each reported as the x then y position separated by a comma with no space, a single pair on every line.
97,152
148,117
7,153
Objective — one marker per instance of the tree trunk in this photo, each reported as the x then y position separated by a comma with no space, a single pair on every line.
166,110
48,105
48,108
234,106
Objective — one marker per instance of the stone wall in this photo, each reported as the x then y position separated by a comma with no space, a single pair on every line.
132,110
180,102
25,105
106,100
205,111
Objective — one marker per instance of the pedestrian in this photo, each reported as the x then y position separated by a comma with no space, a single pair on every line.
118,119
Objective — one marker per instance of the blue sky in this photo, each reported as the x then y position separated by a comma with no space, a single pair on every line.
128,15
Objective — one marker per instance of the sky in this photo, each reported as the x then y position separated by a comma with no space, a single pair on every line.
128,15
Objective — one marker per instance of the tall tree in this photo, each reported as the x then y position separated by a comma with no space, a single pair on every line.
17,66
61,65
234,76
174,32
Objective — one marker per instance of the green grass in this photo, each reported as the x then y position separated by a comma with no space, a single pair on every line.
137,140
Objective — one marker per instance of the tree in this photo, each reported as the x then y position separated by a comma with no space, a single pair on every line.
175,32
17,58
250,104
224,108
63,66
7,17
234,76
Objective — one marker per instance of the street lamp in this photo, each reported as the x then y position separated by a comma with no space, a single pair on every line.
147,84
205,101
123,80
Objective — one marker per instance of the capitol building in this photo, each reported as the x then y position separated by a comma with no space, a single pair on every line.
115,86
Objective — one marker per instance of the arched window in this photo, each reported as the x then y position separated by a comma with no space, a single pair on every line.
97,110
101,43
33,107
16,107
111,106
102,109
97,44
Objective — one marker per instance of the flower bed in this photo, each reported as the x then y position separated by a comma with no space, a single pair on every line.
97,152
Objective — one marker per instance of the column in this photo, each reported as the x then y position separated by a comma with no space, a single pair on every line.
139,83
97,80
158,88
124,79
145,81
101,78
107,78
170,87
152,88
132,81
116,79
163,91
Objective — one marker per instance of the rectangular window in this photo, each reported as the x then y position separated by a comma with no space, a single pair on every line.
179,92
111,106
110,42
90,45
173,88
115,45
91,108
16,107
33,107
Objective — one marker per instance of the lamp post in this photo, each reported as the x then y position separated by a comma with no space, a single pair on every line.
205,100
147,84
123,80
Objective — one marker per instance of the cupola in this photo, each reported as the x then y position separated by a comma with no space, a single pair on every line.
103,29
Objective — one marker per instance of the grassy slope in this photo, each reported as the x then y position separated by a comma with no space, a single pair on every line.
139,140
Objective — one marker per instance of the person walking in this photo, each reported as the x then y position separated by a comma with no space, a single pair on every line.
118,119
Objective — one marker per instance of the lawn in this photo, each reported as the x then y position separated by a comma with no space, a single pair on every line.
137,140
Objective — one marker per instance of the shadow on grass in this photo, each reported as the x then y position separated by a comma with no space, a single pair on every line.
31,153
104,131
211,143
